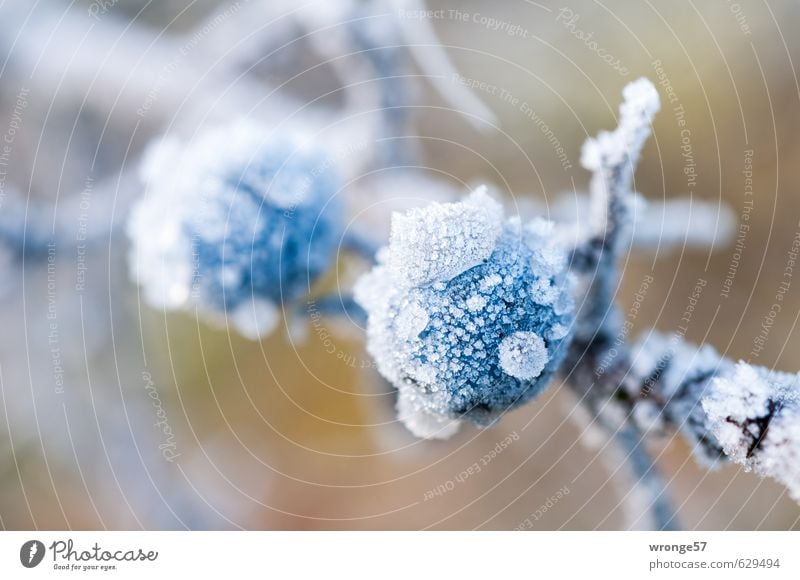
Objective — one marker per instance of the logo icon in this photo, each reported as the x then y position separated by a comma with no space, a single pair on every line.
31,553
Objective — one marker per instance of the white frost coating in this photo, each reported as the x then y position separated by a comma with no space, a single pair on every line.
557,332
545,292
611,148
683,360
184,182
549,261
490,282
612,156
255,319
411,321
755,415
160,258
476,303
374,291
523,355
438,339
440,241
422,422
183,170
158,262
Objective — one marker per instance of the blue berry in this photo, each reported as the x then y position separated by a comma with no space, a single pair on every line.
234,224
468,314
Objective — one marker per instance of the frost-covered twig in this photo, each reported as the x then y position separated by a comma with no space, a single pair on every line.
612,157
738,411
683,222
755,415
745,413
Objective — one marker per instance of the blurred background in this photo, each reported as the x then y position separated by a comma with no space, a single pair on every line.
115,415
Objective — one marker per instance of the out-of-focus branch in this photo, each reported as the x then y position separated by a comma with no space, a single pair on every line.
89,217
656,225
429,55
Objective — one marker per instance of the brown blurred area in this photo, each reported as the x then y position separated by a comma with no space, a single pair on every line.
287,434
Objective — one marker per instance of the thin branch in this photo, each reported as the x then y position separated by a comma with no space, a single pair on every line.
439,70
647,483
612,156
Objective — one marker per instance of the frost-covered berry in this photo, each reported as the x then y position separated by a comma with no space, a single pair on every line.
234,223
467,312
